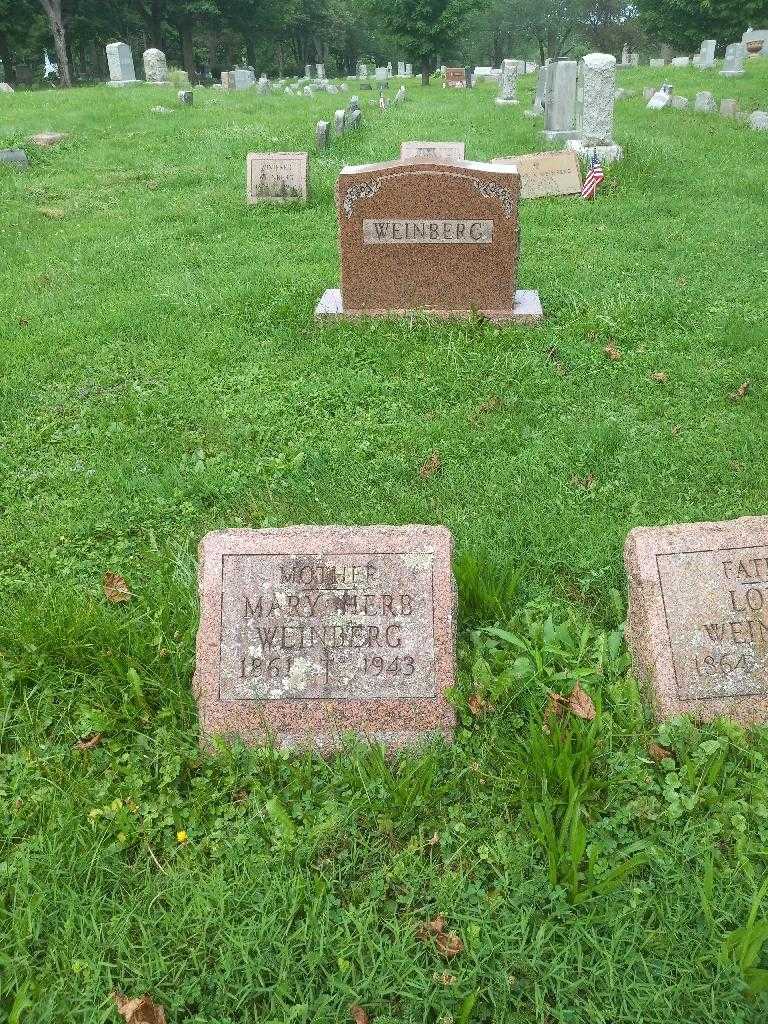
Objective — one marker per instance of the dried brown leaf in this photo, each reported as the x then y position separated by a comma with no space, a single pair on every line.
434,927
740,392
444,978
358,1014
89,742
612,352
580,703
434,840
556,705
51,212
491,404
240,796
139,1011
658,753
660,376
448,944
476,704
587,482
116,589
431,466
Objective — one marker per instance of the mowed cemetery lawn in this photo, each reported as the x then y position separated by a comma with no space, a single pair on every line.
162,376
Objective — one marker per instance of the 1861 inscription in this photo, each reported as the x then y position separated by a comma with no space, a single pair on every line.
716,608
314,626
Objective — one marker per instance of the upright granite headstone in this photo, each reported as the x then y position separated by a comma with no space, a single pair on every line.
681,62
546,174
321,71
17,157
733,66
155,67
120,61
560,102
432,150
424,235
186,97
310,632
698,617
705,103
339,122
507,83
277,177
598,95
541,89
322,134
381,77
354,118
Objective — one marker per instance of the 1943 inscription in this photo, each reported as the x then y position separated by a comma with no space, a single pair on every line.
356,626
716,607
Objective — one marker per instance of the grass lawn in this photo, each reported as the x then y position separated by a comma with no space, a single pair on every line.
161,375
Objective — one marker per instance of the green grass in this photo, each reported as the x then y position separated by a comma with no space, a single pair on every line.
162,376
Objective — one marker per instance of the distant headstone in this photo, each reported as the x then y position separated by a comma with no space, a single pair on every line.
432,151
381,77
310,632
736,50
656,62
321,71
698,617
455,78
120,61
507,84
541,89
704,103
560,102
354,103
45,139
409,69
339,122
155,67
186,97
309,71
729,108
679,102
706,57
634,60
227,81
244,78
546,174
355,118
322,134
363,72
666,53
400,95
681,62
5,87
595,110
400,69
14,156
756,42
660,99
625,54
423,235
733,66
277,177
758,121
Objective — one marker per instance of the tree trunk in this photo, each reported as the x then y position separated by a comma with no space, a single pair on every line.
53,9
156,24
425,71
5,57
185,27
250,52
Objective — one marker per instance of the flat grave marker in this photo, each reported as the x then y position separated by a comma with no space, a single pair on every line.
277,177
546,174
310,631
432,150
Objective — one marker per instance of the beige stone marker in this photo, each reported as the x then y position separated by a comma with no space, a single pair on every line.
277,177
432,150
309,632
698,617
546,174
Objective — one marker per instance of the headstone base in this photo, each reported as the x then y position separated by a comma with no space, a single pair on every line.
564,136
119,85
505,103
731,74
527,310
605,154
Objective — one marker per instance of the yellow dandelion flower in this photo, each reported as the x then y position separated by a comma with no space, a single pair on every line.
181,837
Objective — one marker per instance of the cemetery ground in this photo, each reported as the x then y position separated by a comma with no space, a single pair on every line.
162,376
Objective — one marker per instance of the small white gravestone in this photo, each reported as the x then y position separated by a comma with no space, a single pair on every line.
186,97
656,62
733,66
759,121
681,62
155,67
598,95
400,95
660,99
438,151
321,71
277,177
339,121
560,102
322,134
507,84
705,103
409,70
120,61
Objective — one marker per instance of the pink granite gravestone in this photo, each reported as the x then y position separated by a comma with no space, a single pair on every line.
698,617
309,632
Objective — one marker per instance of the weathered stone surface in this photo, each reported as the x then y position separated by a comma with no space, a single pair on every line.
756,42
660,99
186,97
244,78
681,62
277,177
656,62
507,83
5,87
733,66
648,93
400,95
354,119
339,122
546,174
729,108
598,97
120,61
705,103
45,139
698,617
309,632
322,134
560,102
432,150
432,236
155,67
680,102
14,156
759,121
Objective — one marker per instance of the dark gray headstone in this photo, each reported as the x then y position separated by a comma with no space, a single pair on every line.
14,156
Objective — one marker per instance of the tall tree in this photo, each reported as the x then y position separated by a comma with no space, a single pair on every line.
554,24
426,28
55,17
684,23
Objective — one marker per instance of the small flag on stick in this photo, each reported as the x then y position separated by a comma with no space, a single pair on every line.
593,179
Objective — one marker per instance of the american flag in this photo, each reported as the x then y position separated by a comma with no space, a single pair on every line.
593,179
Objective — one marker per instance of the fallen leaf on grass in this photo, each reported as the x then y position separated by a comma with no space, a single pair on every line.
445,978
661,377
116,589
578,703
612,352
51,212
587,482
240,796
89,742
491,404
358,1014
434,840
448,944
431,466
476,704
740,392
658,753
139,1011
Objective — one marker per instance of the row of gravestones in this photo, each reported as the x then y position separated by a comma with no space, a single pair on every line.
348,118
704,103
754,43
310,632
